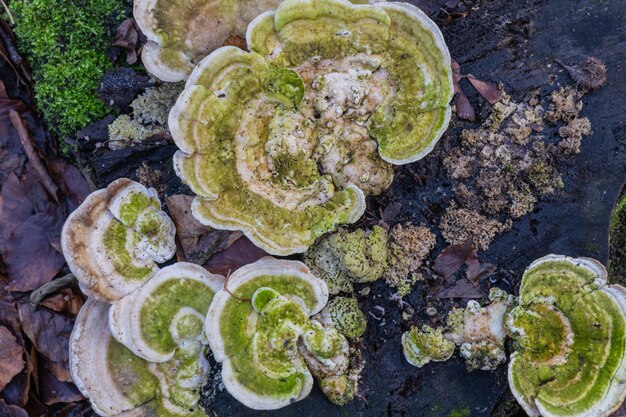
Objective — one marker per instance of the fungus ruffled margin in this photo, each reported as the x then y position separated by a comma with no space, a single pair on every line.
569,333
260,328
113,241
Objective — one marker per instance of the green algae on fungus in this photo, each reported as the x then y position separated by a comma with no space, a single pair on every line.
260,328
113,241
181,34
377,85
569,333
421,346
344,258
116,381
344,314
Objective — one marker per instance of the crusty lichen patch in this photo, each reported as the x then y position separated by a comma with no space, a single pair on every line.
408,247
149,116
502,169
459,225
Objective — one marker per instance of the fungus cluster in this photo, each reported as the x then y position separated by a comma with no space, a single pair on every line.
260,327
478,331
114,240
569,336
284,141
146,352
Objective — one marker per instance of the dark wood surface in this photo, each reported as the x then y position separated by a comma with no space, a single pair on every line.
516,43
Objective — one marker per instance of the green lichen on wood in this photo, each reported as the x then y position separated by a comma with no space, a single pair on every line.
344,258
426,344
66,42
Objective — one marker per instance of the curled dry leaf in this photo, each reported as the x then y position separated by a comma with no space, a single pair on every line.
9,410
47,330
490,91
462,105
452,258
11,358
130,38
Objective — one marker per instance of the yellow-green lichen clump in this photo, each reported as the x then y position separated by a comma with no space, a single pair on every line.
284,141
260,328
344,258
425,345
113,241
569,340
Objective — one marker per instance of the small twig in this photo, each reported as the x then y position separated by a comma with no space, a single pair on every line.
245,300
10,46
6,9
33,156
41,293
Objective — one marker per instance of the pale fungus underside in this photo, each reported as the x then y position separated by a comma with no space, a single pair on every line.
284,141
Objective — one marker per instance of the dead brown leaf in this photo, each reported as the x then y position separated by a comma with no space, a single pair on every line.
130,38
490,91
11,358
33,155
8,410
47,330
460,289
65,302
452,258
463,107
240,253
51,389
197,241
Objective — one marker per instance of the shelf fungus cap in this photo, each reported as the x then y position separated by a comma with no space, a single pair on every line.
283,142
255,326
117,382
569,333
166,313
113,241
181,34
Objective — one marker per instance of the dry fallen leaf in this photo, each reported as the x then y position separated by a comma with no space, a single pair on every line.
490,91
462,105
452,258
8,410
47,330
240,253
11,358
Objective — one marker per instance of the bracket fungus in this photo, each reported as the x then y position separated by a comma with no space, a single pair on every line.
146,352
259,328
569,333
282,142
182,33
113,241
